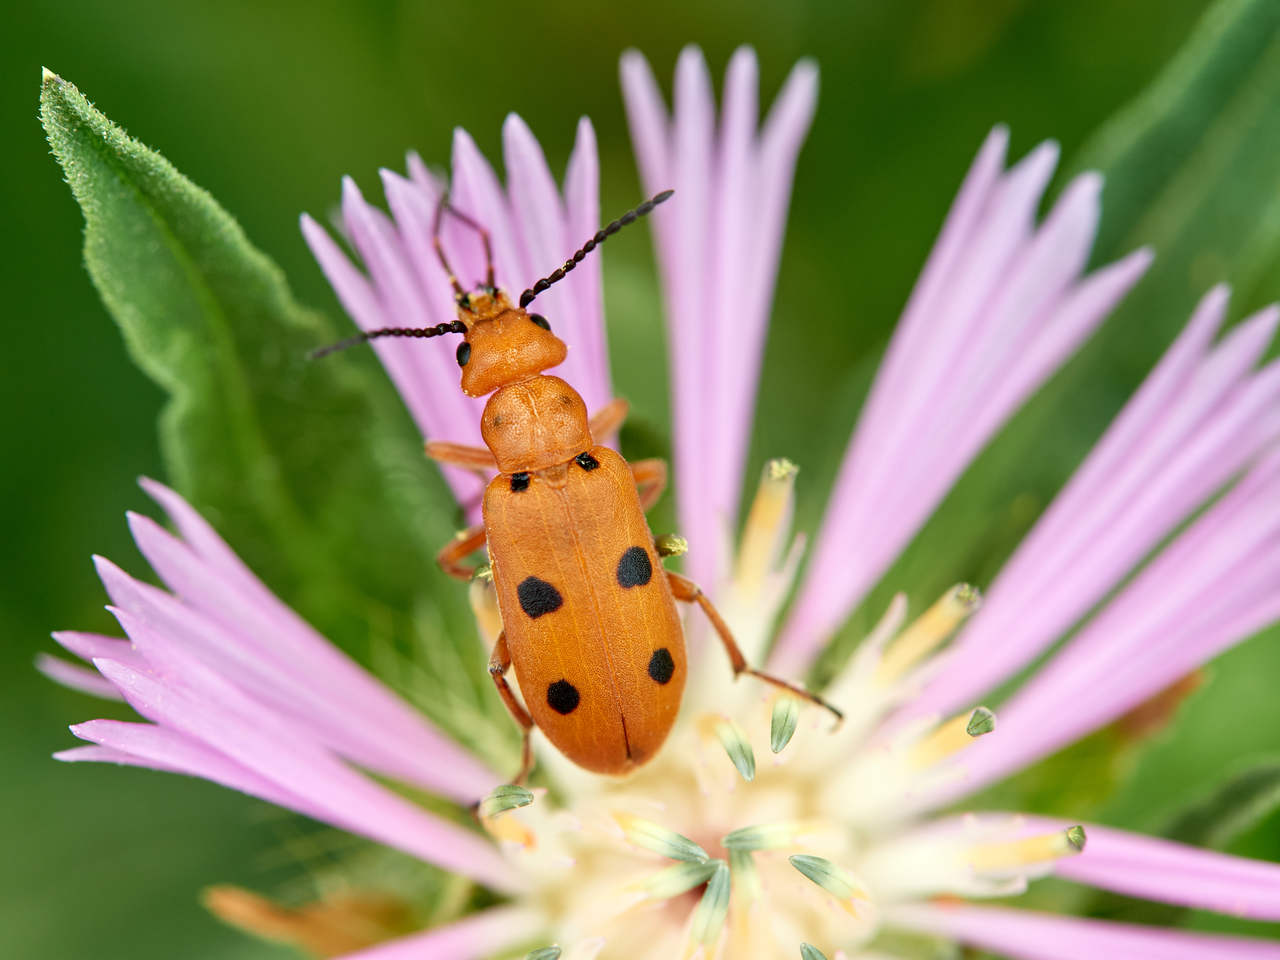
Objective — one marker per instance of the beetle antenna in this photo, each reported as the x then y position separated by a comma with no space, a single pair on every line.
441,207
439,330
631,216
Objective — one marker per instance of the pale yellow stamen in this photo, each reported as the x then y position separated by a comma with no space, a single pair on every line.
710,913
508,829
927,632
746,878
675,880
494,812
834,879
774,836
783,720
952,737
1015,854
658,839
730,736
767,525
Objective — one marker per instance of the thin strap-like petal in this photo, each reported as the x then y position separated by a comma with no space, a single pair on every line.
1198,419
76,677
999,306
207,709
1027,935
484,934
1156,869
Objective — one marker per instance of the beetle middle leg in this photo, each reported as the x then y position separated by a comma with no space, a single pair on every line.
458,549
687,591
608,419
651,480
499,664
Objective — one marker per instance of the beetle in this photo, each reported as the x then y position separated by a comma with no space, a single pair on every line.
589,615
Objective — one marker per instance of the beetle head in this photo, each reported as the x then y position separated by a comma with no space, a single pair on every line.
503,343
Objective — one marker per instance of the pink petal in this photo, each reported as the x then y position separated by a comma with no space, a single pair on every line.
426,396
479,935
91,646
737,318
221,586
375,236
304,676
1029,935
475,191
648,120
718,244
76,677
160,748
539,217
207,709
430,385
353,289
1154,869
532,233
582,206
746,306
685,265
999,306
1214,586
1197,420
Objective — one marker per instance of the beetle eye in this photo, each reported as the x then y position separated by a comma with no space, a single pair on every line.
540,320
464,353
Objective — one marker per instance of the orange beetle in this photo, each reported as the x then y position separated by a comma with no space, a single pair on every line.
589,616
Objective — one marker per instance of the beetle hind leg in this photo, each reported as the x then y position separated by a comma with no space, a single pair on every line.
499,664
687,591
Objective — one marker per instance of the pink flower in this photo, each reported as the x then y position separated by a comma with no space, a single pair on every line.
237,689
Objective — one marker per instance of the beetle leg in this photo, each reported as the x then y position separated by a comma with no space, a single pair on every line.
687,591
460,455
606,421
463,545
651,479
499,664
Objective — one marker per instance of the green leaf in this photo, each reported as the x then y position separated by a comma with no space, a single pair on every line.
1237,805
1174,146
310,470
1190,171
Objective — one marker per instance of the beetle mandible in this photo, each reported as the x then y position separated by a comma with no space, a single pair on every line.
589,615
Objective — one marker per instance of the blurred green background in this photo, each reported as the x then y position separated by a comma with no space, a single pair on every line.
267,105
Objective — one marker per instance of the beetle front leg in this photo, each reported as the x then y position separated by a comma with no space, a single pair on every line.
478,459
499,664
458,549
687,591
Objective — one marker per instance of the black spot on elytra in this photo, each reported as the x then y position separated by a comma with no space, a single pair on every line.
538,597
562,697
586,461
634,567
661,666
519,481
